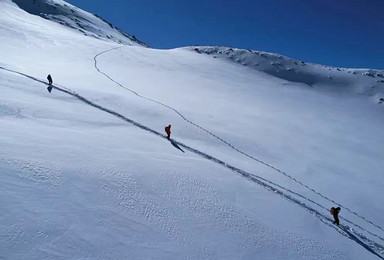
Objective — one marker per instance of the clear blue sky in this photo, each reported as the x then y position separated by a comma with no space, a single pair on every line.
345,33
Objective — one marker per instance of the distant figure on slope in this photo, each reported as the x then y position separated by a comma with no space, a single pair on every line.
168,131
49,79
49,83
335,213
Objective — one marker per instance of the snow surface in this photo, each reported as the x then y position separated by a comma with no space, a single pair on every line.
256,160
73,17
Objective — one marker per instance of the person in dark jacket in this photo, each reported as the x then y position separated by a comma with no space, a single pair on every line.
335,213
49,83
168,131
49,79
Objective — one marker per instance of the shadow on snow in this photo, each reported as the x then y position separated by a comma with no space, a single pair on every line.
344,230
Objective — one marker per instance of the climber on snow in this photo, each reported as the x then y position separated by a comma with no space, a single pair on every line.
49,79
335,213
168,131
49,83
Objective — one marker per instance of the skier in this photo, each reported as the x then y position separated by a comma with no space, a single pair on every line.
168,131
49,79
335,213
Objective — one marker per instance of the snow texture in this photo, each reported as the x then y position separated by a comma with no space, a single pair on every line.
70,16
262,146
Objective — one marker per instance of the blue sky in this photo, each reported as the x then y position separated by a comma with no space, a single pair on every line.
345,33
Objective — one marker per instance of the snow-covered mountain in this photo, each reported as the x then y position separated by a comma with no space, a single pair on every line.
68,15
261,147
358,81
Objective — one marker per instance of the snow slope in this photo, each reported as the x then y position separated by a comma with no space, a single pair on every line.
70,16
256,159
324,78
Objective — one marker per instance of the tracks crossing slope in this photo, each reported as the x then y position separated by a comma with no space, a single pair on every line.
299,200
274,168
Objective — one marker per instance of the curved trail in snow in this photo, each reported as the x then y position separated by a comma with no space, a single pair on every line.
229,144
345,230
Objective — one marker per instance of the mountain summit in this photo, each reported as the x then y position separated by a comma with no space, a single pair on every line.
71,16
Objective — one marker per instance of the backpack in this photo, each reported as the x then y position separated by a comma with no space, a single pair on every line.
332,210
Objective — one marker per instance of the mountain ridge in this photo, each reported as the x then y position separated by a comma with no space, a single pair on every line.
368,82
75,18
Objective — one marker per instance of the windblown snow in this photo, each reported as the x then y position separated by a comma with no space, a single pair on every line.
261,147
70,16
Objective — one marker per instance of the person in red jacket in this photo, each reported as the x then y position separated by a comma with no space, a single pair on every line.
335,213
168,131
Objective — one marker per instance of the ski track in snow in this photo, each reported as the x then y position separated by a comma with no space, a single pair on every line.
230,145
346,231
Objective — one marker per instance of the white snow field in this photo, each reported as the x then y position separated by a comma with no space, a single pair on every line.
261,147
